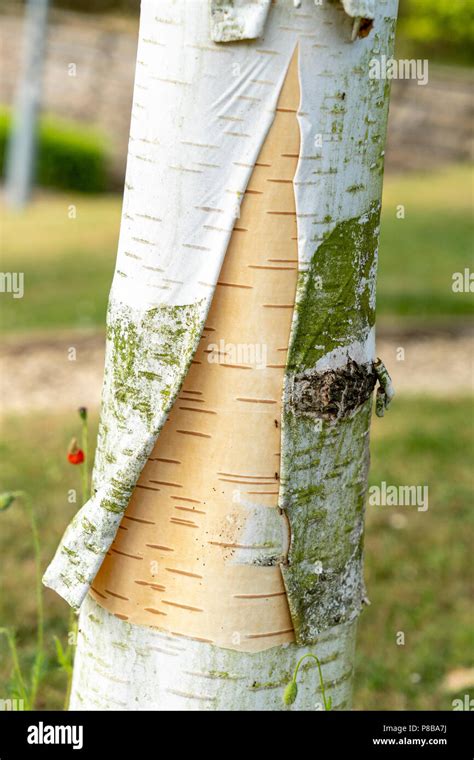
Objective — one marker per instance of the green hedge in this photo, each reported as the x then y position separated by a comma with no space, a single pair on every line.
69,157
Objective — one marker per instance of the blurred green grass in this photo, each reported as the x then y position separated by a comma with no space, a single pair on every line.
417,564
68,263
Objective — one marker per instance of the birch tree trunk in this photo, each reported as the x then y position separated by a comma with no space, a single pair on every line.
22,142
223,540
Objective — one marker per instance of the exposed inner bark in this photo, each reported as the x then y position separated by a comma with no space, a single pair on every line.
199,549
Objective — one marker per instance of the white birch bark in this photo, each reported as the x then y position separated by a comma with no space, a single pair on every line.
177,220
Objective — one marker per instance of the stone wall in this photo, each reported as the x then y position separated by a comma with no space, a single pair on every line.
429,125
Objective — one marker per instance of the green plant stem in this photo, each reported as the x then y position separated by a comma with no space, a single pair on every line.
85,464
16,666
72,628
327,705
36,672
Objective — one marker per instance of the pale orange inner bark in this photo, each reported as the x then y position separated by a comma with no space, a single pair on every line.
179,558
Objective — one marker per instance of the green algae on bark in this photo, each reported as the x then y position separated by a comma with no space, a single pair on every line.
147,357
324,481
336,302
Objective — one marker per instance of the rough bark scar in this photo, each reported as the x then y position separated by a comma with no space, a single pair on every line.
333,394
366,25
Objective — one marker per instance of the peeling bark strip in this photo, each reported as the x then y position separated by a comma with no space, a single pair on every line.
234,20
332,394
148,353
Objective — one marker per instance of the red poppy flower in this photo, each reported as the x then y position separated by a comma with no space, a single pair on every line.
75,455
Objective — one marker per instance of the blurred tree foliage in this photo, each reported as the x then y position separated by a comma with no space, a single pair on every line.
91,6
441,30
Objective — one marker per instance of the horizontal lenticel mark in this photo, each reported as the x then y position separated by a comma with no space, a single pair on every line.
196,247
98,593
148,488
149,217
261,266
132,256
124,554
184,523
143,241
199,145
194,432
163,459
194,638
256,400
234,285
182,606
154,586
234,366
184,498
118,596
259,596
236,134
190,409
227,545
192,510
152,269
270,633
209,49
185,169
183,572
165,483
171,81
160,547
215,229
188,695
153,611
238,475
246,482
